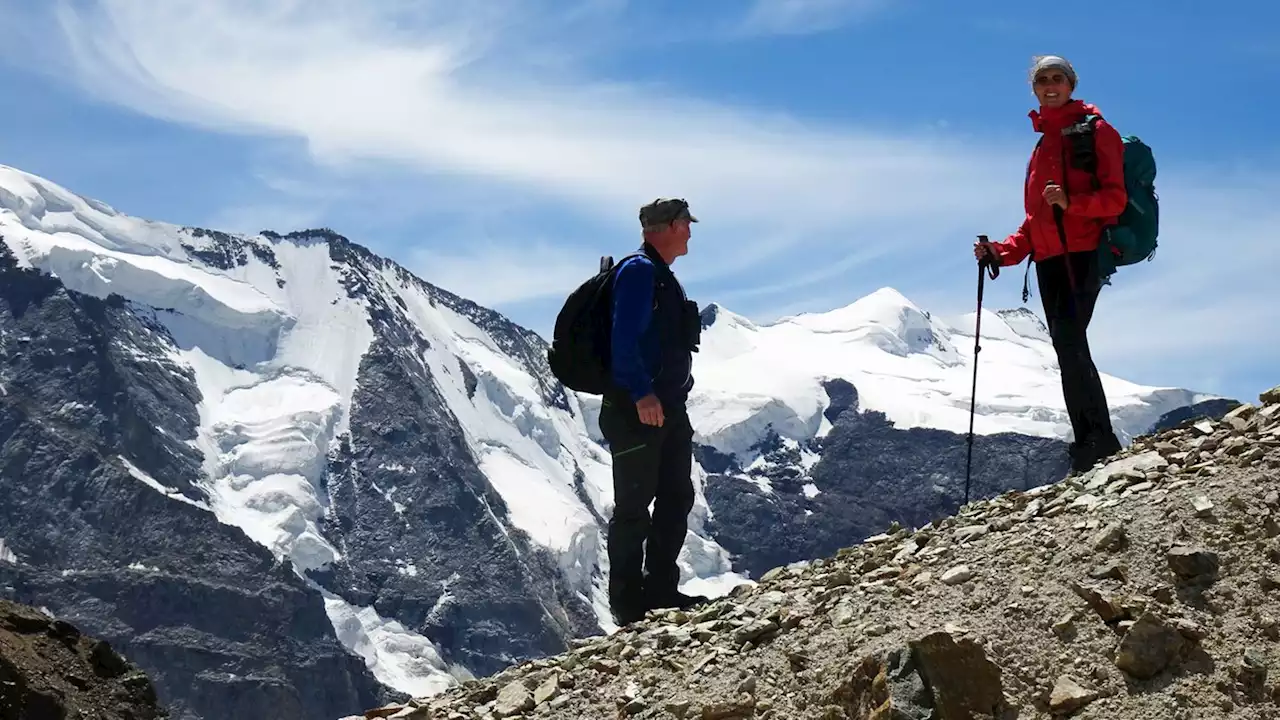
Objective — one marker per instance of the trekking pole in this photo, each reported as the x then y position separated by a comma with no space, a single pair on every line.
986,264
1058,219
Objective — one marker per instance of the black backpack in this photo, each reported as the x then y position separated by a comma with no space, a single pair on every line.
579,352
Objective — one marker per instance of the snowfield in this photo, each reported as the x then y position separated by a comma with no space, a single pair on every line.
914,367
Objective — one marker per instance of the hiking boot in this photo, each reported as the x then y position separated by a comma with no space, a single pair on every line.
1105,446
675,599
1095,449
626,613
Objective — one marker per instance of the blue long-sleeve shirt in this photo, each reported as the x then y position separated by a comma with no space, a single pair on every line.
649,351
633,346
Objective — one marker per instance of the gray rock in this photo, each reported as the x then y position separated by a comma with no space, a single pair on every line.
547,690
743,707
1270,397
513,699
1251,675
1193,564
961,680
1110,539
1148,647
957,575
679,709
1068,695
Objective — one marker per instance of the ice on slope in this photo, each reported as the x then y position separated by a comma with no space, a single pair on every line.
397,657
914,367
528,451
276,368
49,209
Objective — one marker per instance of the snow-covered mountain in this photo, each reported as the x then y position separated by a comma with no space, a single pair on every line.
279,470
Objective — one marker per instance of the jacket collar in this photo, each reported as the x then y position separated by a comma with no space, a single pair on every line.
652,253
1046,120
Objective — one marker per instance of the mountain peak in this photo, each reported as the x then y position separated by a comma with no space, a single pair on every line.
885,306
885,319
716,315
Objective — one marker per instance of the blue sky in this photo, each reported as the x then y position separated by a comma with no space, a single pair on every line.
830,147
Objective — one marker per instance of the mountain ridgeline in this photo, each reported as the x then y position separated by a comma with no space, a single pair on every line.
280,471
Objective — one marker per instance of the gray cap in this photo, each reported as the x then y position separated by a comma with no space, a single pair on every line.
664,211
1042,62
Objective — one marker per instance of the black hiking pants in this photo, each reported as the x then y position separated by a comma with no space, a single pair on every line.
1068,318
650,465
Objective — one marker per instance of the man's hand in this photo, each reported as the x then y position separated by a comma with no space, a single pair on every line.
650,410
1055,195
986,250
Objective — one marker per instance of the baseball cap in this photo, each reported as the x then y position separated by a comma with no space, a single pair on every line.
665,210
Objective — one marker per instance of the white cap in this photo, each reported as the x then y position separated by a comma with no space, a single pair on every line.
1042,62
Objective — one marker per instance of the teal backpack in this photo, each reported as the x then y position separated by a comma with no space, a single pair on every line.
1133,238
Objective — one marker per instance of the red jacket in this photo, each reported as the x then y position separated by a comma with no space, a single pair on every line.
1088,210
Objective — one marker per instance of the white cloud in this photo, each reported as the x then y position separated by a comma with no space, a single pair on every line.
495,274
803,17
253,218
439,87
1208,298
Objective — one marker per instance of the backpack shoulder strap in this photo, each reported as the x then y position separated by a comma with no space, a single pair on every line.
1092,121
607,264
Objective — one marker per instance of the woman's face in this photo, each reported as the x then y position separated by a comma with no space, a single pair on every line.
1052,87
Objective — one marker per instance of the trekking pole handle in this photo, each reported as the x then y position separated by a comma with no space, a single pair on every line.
987,261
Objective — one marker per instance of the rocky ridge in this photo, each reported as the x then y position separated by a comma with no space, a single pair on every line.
48,669
1146,588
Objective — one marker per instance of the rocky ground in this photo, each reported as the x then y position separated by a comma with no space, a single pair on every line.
1145,589
49,671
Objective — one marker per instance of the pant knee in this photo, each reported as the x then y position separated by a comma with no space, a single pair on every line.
1067,339
630,515
677,501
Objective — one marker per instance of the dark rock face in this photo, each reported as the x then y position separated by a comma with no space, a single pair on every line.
221,628
520,343
481,591
1206,410
870,474
449,566
227,251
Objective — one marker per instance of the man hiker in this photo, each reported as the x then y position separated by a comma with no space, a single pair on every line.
1067,207
644,419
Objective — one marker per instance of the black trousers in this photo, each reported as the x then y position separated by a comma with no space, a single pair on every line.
1068,317
650,465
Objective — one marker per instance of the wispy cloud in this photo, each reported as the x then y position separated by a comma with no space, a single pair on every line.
504,274
442,88
804,17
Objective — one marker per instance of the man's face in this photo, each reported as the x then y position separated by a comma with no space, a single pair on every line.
1052,87
681,231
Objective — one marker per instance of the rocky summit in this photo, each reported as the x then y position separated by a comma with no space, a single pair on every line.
1146,588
